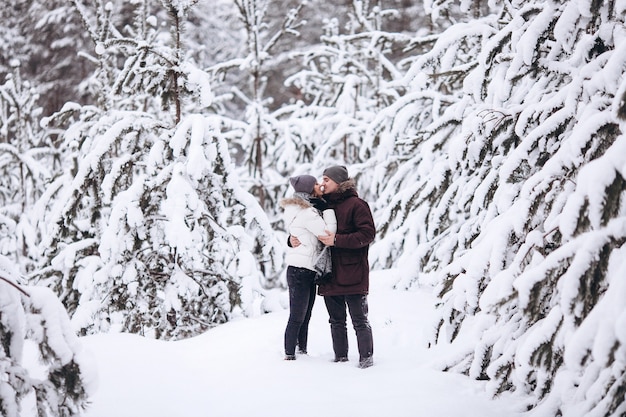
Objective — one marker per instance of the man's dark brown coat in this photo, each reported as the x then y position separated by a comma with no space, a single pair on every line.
355,232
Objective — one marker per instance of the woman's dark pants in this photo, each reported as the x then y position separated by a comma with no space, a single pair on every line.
301,298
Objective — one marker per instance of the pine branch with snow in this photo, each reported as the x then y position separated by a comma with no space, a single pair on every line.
35,315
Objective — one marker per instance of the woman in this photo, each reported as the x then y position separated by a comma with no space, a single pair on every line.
303,220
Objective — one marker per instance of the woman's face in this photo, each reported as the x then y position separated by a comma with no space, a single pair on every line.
317,190
328,186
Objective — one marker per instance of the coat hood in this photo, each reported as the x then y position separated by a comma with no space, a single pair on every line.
346,189
294,201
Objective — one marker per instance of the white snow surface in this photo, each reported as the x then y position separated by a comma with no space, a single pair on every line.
237,369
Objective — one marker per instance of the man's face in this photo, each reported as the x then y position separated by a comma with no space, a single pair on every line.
328,185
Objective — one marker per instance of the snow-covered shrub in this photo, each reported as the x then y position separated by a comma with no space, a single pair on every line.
140,231
60,379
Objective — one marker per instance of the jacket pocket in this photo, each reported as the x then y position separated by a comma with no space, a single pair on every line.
350,271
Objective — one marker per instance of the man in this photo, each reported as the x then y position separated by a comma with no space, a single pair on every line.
349,285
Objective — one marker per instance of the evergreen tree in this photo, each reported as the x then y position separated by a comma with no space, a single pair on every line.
146,224
262,129
45,37
28,161
345,82
506,181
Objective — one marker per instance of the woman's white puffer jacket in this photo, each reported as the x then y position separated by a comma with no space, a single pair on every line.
303,221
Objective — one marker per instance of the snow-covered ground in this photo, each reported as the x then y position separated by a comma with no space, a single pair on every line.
237,369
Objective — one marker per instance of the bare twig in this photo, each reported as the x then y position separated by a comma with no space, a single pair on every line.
14,285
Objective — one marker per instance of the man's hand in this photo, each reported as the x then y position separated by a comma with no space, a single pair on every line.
295,242
328,239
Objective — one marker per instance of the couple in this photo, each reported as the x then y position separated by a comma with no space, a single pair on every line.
347,227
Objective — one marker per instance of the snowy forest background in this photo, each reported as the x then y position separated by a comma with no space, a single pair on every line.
144,146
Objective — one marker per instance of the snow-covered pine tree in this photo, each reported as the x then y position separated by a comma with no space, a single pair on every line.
11,40
411,142
262,129
517,212
103,152
213,36
149,223
35,315
28,160
45,36
345,81
153,76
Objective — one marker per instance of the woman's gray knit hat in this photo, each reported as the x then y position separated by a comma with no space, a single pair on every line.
337,173
303,183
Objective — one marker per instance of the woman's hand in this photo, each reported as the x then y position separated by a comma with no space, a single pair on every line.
328,239
295,242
